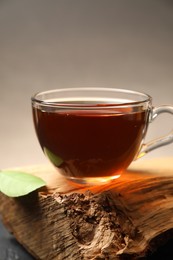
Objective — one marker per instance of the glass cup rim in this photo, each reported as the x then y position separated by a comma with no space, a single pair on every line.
41,101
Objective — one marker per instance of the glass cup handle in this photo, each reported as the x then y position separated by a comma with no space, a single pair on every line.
161,141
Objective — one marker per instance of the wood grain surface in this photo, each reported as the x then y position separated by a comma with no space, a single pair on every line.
129,217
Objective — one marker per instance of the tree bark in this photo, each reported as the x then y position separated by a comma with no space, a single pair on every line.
129,217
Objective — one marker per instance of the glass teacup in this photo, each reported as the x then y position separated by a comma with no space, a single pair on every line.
91,135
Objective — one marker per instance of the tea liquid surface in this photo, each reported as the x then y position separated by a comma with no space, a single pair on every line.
90,143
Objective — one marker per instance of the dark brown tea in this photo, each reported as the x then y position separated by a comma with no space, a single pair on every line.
84,143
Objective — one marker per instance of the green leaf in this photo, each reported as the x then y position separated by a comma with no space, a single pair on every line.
16,183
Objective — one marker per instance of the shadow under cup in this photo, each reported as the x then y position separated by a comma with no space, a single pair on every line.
91,134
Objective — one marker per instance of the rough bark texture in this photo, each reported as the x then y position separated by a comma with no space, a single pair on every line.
128,218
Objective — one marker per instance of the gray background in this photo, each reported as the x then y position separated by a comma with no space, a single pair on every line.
75,43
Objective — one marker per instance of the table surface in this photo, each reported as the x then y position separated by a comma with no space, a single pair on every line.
10,249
